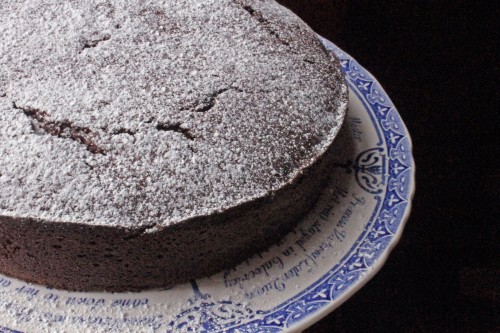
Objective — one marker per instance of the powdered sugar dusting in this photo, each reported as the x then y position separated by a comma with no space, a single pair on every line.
146,113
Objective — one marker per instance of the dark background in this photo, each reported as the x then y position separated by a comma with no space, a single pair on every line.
437,62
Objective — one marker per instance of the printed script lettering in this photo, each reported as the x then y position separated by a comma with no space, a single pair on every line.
25,314
306,247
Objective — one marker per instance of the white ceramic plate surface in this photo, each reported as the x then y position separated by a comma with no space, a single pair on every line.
331,254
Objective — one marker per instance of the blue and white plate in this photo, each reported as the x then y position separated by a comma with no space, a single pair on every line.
331,254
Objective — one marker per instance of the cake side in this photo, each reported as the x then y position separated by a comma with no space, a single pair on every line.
80,257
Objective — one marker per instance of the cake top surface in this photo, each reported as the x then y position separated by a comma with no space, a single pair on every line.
146,113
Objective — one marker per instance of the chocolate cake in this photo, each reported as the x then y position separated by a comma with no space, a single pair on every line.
146,143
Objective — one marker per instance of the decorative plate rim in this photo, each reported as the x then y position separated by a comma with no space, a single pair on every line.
384,255
398,146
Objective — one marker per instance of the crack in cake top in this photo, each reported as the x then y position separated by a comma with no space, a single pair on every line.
146,113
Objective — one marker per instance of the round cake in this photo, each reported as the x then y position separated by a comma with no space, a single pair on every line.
146,143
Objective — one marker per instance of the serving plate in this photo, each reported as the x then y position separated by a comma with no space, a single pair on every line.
330,255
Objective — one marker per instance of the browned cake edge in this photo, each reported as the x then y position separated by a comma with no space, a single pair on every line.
83,258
